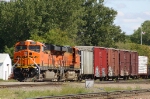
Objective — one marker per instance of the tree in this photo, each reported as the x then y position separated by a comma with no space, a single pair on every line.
24,18
99,29
81,22
136,36
54,36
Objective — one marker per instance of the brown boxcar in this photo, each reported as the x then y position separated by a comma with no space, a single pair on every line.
113,62
134,64
100,62
124,63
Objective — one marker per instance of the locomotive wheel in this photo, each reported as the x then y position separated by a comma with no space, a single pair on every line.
79,78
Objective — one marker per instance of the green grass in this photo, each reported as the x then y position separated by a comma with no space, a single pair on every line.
10,80
20,94
65,90
108,89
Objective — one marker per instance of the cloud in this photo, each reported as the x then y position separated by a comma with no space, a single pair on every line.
135,20
120,13
132,18
131,13
129,21
135,27
121,5
147,13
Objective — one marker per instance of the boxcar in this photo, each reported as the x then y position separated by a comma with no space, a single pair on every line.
142,66
134,64
100,62
113,62
86,61
124,63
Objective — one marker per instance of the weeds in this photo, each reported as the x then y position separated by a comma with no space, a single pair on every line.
21,94
65,90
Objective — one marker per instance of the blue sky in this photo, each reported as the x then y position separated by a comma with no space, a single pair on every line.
131,13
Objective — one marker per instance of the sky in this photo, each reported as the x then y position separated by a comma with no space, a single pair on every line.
131,13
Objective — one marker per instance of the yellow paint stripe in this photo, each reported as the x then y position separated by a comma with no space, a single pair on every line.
25,66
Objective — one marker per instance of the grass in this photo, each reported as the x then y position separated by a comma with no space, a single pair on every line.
108,89
20,94
8,93
10,80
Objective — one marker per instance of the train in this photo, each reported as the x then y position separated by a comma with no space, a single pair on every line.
36,61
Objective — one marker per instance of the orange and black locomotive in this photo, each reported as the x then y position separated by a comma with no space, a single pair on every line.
37,61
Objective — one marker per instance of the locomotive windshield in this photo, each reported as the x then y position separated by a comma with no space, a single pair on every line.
35,48
20,47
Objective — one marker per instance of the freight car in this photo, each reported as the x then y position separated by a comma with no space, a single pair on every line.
108,63
35,61
143,70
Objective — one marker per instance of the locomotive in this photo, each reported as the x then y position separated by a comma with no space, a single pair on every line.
36,61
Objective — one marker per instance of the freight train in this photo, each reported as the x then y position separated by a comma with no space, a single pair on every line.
36,61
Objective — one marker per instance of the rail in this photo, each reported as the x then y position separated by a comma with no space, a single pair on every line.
30,85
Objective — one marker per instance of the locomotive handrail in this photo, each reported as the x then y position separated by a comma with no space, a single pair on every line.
36,66
16,62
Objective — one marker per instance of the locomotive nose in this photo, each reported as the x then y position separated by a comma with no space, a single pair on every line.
23,58
26,53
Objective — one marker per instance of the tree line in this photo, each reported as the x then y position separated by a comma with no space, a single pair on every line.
63,22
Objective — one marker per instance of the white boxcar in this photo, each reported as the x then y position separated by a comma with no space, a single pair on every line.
142,66
86,59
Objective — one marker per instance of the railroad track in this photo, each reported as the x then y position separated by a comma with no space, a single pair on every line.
30,84
36,84
120,82
124,82
100,95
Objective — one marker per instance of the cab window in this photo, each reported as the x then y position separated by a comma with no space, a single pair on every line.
20,47
35,48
